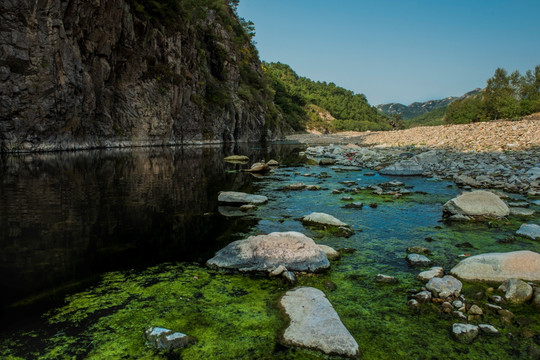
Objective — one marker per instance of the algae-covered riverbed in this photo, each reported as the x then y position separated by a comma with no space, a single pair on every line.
235,316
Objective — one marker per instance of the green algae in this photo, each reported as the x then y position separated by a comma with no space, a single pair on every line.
235,316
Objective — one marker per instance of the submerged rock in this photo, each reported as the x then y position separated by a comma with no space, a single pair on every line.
380,278
314,324
293,250
498,267
234,197
477,205
445,286
464,333
531,231
295,186
516,291
165,339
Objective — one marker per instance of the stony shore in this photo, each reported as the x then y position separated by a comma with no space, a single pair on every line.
480,137
498,155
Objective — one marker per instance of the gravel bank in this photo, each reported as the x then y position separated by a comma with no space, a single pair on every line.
479,137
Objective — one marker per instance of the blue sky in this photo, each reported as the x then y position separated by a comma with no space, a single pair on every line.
398,50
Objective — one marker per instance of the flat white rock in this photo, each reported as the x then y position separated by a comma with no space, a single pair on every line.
498,267
314,324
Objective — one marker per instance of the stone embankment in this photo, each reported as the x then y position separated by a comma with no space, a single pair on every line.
479,137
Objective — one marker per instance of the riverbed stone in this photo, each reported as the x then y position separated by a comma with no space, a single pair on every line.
165,339
531,231
235,197
445,286
418,260
264,253
272,162
295,186
498,267
519,211
427,275
314,324
381,278
423,296
403,168
464,333
331,254
317,218
516,291
476,204
476,310
488,329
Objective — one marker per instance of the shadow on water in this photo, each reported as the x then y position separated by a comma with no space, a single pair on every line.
69,216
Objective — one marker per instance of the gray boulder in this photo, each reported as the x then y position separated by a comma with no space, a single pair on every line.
445,286
498,267
314,324
234,197
403,168
317,218
476,204
265,253
531,231
381,278
418,260
165,339
464,333
516,291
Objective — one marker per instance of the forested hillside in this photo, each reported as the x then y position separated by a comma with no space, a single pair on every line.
307,104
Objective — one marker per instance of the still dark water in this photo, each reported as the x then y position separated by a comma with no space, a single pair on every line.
67,217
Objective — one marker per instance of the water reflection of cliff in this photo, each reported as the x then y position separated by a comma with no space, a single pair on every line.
64,216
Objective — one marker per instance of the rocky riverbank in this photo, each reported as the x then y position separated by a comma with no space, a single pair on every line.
516,171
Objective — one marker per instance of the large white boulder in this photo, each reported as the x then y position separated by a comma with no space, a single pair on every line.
314,324
498,267
476,204
293,250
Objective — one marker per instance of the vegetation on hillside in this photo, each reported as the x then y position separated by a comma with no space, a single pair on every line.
432,118
506,96
323,106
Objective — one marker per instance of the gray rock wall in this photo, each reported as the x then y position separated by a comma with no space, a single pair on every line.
82,74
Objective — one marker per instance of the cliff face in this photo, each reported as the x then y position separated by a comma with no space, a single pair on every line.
93,73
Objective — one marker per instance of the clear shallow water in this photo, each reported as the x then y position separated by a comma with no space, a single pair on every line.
159,208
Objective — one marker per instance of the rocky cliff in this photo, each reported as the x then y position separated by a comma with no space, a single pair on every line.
105,73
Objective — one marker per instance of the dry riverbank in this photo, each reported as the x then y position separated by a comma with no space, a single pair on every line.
485,136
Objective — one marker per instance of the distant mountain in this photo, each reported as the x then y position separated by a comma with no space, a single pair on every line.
418,108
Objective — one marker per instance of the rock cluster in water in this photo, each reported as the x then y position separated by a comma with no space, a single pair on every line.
517,172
